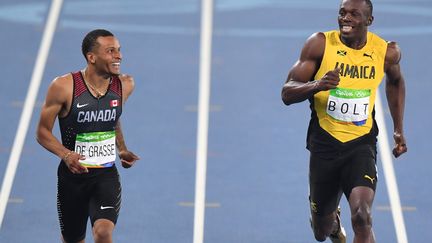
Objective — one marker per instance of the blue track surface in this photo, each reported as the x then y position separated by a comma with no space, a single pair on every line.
257,167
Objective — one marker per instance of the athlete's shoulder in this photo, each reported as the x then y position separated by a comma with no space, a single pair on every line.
126,79
128,85
62,82
393,54
63,78
60,89
317,37
314,46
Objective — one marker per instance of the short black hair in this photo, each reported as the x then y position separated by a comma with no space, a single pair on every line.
89,41
370,5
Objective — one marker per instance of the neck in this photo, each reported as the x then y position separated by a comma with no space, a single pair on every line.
96,79
355,43
98,84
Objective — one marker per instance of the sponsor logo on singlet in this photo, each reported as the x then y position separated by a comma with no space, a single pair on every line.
96,116
81,105
370,55
372,179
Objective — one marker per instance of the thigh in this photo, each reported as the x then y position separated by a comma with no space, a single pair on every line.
324,185
72,207
105,201
360,169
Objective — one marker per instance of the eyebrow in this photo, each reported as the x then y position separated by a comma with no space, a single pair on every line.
112,47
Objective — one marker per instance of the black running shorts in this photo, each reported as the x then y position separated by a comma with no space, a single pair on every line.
78,198
330,176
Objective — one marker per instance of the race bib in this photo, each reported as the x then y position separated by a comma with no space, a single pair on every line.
98,147
349,105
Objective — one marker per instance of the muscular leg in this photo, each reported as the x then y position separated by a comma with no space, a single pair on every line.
324,195
360,201
102,231
323,226
105,205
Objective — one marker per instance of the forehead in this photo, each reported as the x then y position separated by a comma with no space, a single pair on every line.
352,5
108,41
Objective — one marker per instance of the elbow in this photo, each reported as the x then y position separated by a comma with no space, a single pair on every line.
285,98
286,102
39,137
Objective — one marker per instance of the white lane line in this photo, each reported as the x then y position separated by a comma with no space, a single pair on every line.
207,205
194,108
29,105
389,174
203,117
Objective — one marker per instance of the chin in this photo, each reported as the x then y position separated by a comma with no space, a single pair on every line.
346,34
115,73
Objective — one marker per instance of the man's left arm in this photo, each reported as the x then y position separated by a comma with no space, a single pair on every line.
395,92
127,158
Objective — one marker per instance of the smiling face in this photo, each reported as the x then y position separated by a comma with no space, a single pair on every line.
354,18
106,56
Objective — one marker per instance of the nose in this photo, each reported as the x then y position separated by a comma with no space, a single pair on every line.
346,17
118,55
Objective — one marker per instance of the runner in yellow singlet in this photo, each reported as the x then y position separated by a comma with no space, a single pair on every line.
339,72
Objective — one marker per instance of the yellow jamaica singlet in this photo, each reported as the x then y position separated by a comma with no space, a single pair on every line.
346,112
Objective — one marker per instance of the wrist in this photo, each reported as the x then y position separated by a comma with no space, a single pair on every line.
121,149
314,84
66,155
397,134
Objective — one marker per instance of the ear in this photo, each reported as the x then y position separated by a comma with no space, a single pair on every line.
91,58
370,20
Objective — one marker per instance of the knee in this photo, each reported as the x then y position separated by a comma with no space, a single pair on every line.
362,218
102,233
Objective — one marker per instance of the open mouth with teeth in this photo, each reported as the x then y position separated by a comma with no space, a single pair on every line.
115,67
346,28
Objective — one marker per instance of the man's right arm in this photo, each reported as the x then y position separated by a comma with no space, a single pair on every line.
300,85
54,104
